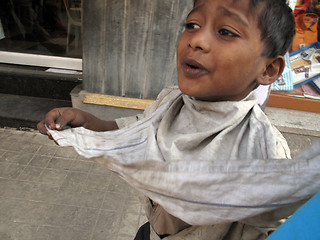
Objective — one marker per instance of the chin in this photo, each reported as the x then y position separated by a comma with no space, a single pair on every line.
192,94
186,90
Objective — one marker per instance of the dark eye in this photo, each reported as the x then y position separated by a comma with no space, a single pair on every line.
192,26
227,33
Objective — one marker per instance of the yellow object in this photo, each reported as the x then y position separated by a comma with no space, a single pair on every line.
116,101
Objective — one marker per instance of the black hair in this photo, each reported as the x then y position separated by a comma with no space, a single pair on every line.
277,26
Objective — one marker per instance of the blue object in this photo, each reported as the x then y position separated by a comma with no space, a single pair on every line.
304,224
285,82
315,45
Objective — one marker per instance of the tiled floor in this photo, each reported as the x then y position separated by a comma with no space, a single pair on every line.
49,192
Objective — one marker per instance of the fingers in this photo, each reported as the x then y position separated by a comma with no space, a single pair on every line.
42,129
51,118
58,118
66,116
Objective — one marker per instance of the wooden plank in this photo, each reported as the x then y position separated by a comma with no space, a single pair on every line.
275,100
116,101
295,103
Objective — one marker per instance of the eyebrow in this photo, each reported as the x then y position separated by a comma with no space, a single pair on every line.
234,15
196,9
226,12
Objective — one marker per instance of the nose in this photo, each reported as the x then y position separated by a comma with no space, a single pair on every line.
200,40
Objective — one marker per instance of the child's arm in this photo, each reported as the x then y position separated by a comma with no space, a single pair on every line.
58,118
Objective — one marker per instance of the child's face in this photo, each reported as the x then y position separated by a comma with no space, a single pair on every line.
219,53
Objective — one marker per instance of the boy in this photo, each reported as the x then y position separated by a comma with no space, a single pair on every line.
193,152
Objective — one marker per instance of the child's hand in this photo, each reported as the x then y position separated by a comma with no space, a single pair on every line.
58,118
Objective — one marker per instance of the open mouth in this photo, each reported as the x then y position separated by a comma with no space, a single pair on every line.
193,67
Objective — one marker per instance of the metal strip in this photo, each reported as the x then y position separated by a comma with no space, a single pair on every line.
41,60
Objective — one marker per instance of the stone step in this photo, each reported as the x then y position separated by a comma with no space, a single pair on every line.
24,111
38,81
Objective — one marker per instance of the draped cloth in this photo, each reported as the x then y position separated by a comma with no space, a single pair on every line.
203,162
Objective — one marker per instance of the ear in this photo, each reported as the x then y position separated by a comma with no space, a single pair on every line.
272,71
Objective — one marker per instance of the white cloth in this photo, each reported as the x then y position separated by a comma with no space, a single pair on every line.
262,92
205,163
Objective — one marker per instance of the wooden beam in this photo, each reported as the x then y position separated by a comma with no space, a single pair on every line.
116,101
296,103
278,100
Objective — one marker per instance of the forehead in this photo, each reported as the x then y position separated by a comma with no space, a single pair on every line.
248,5
241,9
248,1
236,13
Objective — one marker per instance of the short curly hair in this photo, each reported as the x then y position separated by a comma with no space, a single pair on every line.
277,25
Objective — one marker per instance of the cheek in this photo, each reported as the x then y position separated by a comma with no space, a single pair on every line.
181,43
230,66
240,65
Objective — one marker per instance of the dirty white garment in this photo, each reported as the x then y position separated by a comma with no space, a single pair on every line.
205,163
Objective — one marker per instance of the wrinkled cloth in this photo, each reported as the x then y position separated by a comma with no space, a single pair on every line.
204,163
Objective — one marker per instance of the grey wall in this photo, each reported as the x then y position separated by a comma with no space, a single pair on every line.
130,45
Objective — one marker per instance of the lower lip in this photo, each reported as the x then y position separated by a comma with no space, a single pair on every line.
193,72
